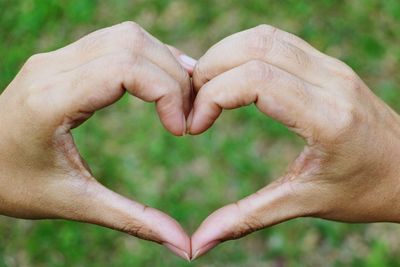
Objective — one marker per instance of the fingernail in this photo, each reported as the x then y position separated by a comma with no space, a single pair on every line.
177,251
184,126
189,122
201,251
187,61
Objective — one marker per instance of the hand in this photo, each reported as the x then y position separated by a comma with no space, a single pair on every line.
41,172
349,169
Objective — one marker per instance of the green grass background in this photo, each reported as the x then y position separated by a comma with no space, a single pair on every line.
189,177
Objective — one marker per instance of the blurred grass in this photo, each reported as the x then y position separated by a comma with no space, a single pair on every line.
189,177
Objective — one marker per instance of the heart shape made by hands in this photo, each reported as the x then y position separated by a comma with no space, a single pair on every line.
286,78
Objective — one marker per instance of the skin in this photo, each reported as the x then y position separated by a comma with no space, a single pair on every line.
349,168
42,174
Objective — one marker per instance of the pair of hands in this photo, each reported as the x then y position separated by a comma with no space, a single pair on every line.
348,170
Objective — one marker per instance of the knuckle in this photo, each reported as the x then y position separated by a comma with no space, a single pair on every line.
127,35
200,75
350,116
130,26
207,94
258,71
33,61
168,87
252,223
301,58
265,29
183,79
352,81
134,33
200,71
269,41
349,119
133,229
138,229
246,226
247,223
345,74
209,98
175,87
261,40
33,99
37,58
124,65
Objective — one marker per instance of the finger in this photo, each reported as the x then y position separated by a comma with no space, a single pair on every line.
188,63
275,92
278,202
125,37
103,81
88,201
267,44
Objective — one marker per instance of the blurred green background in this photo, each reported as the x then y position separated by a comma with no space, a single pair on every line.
189,177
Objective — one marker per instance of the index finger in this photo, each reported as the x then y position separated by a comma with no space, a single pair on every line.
127,37
265,43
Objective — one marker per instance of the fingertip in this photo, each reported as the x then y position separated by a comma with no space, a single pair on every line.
210,234
196,127
177,251
192,124
204,249
174,236
171,114
201,121
166,231
188,63
202,242
177,127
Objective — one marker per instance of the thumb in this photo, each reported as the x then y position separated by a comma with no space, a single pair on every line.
278,202
187,62
97,204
